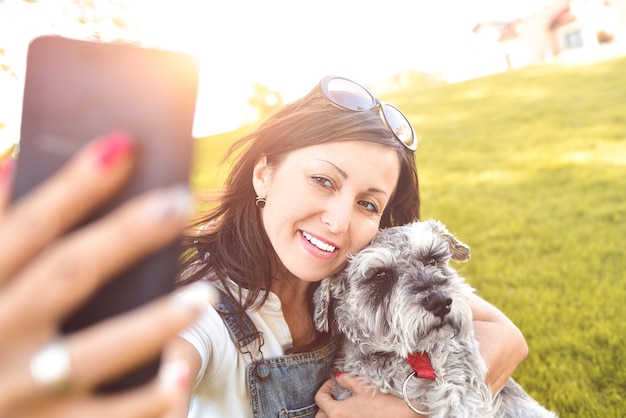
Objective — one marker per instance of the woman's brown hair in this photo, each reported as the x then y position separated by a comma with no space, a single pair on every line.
232,244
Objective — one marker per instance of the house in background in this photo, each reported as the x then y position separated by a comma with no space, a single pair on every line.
563,30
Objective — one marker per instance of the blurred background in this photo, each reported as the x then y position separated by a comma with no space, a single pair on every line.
520,106
280,48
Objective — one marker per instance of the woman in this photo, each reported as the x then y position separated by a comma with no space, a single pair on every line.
312,186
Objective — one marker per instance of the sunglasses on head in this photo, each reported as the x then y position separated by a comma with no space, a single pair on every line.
348,95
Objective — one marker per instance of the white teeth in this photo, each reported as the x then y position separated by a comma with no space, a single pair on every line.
319,244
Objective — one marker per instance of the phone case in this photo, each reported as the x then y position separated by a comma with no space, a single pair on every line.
78,90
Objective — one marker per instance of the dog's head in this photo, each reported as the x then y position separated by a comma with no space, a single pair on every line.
400,293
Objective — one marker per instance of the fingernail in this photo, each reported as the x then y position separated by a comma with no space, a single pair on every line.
6,170
174,375
174,201
338,373
197,296
112,148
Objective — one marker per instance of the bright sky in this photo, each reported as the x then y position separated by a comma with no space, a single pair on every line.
287,45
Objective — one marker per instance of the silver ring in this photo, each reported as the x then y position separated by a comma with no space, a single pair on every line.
50,366
406,397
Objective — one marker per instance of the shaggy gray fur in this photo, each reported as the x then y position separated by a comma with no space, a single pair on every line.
400,296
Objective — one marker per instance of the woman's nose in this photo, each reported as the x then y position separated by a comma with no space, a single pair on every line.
337,216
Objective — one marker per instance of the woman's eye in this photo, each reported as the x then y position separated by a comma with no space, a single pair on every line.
369,206
323,181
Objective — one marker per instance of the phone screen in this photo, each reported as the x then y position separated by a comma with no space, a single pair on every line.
78,90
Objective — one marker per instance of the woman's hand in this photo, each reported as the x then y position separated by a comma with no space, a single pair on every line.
45,273
364,404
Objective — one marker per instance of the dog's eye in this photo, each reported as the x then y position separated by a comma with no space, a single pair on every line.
431,262
381,275
379,283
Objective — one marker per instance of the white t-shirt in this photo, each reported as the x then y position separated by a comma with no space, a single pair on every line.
221,389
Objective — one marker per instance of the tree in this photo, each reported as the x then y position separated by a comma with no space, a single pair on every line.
265,101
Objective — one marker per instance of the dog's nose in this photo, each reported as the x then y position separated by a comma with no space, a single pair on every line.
438,303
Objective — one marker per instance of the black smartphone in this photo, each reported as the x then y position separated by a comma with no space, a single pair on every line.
78,90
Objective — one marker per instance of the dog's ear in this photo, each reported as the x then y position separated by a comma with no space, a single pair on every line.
321,302
460,251
329,290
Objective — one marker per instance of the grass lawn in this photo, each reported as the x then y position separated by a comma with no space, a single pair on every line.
529,169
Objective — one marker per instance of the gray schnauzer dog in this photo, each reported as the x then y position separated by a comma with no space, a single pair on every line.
406,322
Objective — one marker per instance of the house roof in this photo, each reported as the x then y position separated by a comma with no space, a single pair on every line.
562,18
506,29
508,32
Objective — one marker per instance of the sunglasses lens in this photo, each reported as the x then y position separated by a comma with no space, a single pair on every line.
349,95
400,126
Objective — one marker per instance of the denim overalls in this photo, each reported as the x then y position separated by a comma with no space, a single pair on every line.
282,386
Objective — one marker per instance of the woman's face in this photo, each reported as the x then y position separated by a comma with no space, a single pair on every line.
325,202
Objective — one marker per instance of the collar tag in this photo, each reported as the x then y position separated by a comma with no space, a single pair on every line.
420,363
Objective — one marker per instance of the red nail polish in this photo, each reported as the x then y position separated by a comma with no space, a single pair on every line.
338,373
112,148
183,379
6,170
175,376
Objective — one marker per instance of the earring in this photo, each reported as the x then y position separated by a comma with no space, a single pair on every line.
260,202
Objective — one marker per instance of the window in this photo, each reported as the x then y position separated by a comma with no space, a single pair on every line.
573,40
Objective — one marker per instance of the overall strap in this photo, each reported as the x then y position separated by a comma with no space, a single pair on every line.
242,330
282,386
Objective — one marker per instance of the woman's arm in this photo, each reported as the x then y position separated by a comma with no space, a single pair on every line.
180,350
502,345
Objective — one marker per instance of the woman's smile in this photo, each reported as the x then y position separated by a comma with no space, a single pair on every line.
318,247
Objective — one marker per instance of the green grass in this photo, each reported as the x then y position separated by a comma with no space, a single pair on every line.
529,169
